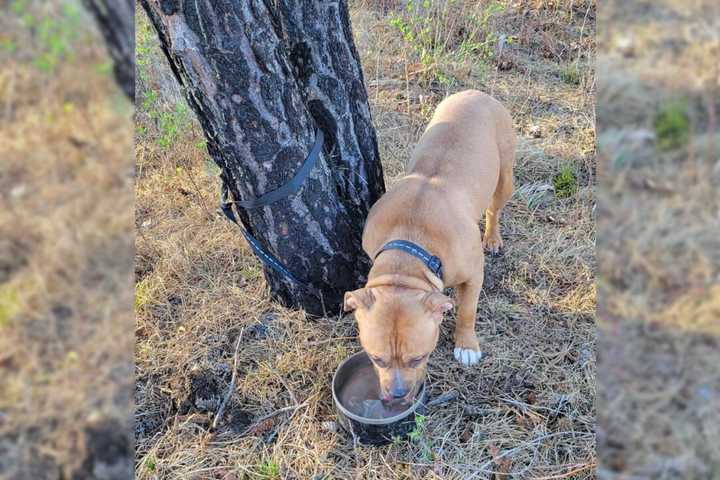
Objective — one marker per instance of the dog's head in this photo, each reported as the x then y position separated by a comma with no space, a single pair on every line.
399,328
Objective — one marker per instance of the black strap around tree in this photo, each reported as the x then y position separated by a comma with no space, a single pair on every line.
293,185
273,196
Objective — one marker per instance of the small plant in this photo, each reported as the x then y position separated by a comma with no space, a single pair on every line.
150,464
171,123
269,470
565,182
9,304
418,436
104,68
571,74
419,429
672,125
142,294
8,45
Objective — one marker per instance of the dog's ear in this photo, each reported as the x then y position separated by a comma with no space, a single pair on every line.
360,298
437,304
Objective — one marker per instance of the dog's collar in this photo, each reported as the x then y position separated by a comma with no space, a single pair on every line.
402,281
432,262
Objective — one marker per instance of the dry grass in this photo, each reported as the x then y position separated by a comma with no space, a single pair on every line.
527,411
658,249
66,201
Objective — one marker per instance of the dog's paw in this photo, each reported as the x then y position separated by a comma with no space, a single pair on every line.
493,243
467,356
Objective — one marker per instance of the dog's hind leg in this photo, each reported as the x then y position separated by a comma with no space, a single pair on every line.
503,191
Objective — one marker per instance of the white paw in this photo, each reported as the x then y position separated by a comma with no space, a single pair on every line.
467,356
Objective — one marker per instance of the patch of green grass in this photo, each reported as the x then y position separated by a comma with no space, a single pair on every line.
252,272
8,45
9,304
19,7
269,470
142,294
672,125
104,68
419,429
150,464
431,30
164,123
565,182
53,33
149,98
172,123
419,436
570,74
144,43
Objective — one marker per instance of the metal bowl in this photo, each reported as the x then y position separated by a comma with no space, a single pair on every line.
373,431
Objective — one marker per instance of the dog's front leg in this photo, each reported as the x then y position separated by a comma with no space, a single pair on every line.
467,347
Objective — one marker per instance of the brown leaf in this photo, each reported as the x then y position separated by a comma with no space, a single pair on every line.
263,427
502,464
467,433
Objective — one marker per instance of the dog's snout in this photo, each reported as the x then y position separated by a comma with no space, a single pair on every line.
399,391
398,388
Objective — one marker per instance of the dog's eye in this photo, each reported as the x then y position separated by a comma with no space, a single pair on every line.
379,362
416,361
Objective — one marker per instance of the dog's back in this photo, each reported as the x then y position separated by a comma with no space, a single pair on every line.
451,178
462,146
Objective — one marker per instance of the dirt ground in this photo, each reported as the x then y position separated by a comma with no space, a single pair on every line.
658,243
527,411
66,249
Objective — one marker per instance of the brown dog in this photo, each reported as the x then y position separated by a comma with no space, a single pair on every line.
461,167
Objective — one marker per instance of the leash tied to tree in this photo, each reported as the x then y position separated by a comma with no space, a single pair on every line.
284,191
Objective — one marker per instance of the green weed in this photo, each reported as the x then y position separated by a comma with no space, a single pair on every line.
53,35
9,303
144,43
570,74
142,294
165,124
419,430
8,45
565,182
104,68
269,470
431,30
419,437
172,123
672,125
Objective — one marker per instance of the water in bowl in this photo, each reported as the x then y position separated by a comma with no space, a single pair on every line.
361,395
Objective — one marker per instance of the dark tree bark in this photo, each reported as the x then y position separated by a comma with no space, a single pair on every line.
262,76
116,20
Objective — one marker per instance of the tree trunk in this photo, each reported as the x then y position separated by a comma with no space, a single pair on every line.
262,76
116,20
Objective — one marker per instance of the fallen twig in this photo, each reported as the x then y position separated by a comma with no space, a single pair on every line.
329,340
444,398
271,415
231,388
512,451
574,469
479,411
